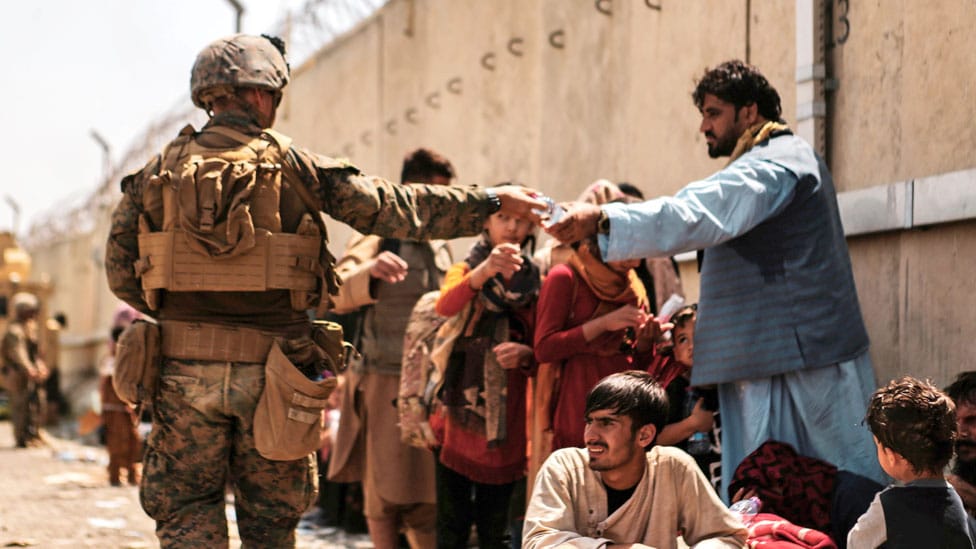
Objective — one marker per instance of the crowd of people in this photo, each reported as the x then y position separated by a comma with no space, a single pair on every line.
563,403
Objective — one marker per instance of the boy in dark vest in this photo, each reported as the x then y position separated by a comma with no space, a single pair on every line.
914,426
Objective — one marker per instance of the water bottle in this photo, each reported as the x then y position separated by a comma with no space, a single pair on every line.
699,444
553,212
747,509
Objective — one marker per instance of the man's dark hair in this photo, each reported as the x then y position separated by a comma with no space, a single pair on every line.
423,164
632,393
61,319
740,84
116,333
916,420
963,389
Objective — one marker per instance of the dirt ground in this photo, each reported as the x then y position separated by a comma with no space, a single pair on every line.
59,496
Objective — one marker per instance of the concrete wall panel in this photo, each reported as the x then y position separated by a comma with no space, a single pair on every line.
613,101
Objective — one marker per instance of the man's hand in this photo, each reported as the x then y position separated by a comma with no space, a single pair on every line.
388,267
578,223
520,202
511,355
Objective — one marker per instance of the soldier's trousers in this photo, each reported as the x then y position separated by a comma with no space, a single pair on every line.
202,441
19,389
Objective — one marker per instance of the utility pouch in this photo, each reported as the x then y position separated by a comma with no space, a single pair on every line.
330,337
288,418
137,362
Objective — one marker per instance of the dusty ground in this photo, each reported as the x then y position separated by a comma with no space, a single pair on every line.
60,497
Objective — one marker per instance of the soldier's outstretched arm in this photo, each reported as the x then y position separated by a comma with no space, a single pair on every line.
122,248
373,205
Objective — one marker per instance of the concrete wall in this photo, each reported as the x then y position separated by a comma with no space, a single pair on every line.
613,102
571,94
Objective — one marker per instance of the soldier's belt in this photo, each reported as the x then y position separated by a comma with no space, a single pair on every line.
201,341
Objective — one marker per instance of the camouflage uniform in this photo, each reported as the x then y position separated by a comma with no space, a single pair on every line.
202,436
19,353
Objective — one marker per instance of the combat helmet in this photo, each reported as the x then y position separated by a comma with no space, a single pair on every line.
238,61
23,302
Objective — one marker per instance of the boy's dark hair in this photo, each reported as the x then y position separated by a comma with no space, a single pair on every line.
963,389
916,420
740,84
632,393
423,164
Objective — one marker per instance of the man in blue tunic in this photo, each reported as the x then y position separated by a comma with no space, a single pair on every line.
780,329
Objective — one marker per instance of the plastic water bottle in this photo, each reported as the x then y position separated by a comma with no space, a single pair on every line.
699,444
747,509
553,212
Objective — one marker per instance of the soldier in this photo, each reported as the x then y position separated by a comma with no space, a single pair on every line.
220,238
385,277
24,371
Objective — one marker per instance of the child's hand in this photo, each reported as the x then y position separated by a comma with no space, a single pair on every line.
701,419
627,316
504,259
743,493
651,332
512,355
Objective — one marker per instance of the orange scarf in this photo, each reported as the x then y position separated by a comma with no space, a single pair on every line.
609,286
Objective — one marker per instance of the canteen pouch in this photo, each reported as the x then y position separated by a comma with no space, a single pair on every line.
288,417
137,362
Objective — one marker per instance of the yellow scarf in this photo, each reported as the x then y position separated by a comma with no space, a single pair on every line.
756,134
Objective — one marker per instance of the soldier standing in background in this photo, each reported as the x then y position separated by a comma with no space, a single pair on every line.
384,278
220,239
24,372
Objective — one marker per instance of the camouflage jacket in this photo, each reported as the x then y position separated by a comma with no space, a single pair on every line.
371,205
16,348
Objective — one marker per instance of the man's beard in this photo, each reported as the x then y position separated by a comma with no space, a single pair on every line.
966,470
722,146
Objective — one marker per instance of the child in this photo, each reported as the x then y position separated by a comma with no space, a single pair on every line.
692,418
121,436
914,428
490,298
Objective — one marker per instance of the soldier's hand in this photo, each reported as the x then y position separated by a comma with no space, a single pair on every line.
388,267
577,223
519,202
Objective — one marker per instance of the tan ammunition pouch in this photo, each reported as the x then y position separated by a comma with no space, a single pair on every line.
288,420
137,362
220,228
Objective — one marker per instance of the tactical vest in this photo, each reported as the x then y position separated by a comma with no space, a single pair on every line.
221,229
